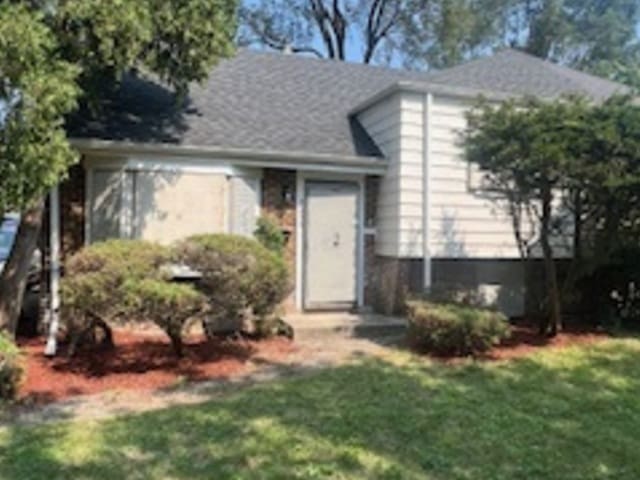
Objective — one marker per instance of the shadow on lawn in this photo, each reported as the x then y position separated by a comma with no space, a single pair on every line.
569,414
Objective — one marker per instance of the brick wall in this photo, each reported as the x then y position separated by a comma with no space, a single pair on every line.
371,280
279,203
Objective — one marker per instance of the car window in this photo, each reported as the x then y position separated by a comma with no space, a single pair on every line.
8,231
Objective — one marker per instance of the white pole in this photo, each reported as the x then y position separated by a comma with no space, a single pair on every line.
54,271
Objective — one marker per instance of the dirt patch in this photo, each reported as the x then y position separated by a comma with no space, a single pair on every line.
141,361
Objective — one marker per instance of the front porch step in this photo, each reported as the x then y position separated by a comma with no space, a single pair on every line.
318,325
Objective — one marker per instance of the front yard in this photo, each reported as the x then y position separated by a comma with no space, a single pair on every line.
570,413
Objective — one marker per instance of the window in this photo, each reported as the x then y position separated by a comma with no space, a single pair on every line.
106,204
167,205
245,201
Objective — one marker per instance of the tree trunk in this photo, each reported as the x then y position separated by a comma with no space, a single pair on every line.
553,323
176,343
14,277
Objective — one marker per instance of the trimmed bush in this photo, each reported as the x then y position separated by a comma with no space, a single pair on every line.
11,368
92,289
457,330
171,306
241,278
270,235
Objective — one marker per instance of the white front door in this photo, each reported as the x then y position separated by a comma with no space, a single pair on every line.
331,245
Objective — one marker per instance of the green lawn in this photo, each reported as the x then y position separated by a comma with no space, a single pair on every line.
571,414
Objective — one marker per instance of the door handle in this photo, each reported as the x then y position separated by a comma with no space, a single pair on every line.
336,240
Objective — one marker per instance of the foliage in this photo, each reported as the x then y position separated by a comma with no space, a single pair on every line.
240,276
568,173
11,368
528,151
449,329
588,34
399,417
38,88
53,52
269,234
95,284
169,305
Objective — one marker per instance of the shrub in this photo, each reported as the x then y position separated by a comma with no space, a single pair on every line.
240,277
92,288
169,305
270,235
11,368
449,329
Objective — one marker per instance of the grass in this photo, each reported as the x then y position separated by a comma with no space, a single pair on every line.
570,414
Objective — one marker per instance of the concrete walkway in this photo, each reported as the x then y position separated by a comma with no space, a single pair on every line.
311,356
318,325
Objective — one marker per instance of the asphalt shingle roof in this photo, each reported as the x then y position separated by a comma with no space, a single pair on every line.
287,103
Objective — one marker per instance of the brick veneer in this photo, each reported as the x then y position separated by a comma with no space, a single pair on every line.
279,203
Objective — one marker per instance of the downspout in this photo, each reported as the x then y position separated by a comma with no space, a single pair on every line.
426,189
54,271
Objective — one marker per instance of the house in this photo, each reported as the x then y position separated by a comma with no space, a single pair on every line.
360,165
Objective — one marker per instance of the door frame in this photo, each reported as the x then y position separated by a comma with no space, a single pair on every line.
301,180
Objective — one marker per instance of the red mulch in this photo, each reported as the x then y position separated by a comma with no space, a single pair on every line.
140,361
525,340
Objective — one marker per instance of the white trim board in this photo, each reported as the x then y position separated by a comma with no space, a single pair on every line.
323,162
301,178
126,165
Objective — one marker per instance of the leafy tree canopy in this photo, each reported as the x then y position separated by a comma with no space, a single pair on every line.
596,35
55,54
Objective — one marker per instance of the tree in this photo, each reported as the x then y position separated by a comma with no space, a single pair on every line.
579,33
299,25
441,31
51,54
528,150
588,34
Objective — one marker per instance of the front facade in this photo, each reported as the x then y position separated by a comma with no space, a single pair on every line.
361,167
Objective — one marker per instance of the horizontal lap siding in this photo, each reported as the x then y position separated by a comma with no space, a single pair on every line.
396,125
463,223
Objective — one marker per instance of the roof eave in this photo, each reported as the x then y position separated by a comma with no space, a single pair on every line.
433,88
245,157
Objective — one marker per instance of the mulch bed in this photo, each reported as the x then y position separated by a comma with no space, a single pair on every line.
525,340
140,361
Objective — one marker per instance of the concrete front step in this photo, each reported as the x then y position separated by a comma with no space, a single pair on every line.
312,326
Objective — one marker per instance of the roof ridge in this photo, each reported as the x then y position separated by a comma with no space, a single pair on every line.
332,61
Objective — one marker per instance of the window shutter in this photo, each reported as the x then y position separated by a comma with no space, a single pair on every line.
106,204
245,205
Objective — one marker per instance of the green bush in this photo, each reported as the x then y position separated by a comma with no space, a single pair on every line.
241,278
171,306
92,290
11,368
449,329
270,235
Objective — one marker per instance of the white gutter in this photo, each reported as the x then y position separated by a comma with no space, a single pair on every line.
242,157
54,271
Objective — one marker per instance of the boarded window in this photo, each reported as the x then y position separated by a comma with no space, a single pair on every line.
106,204
244,205
169,206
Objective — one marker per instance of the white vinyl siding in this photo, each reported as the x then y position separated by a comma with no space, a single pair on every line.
396,125
465,219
